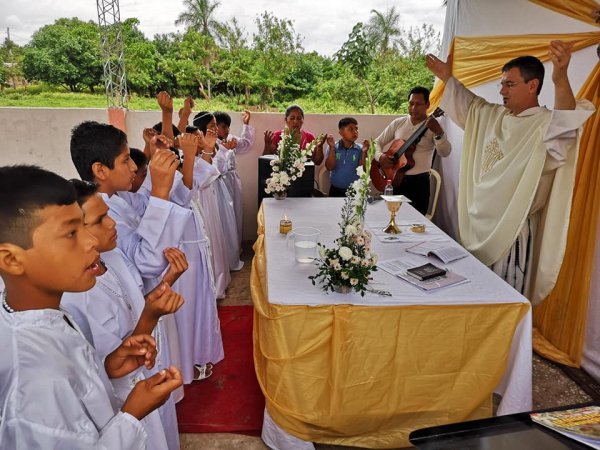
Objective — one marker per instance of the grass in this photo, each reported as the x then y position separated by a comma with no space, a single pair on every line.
46,96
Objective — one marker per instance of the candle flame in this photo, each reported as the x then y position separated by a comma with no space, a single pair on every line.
285,217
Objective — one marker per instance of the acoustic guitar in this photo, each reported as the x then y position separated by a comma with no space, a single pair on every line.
380,175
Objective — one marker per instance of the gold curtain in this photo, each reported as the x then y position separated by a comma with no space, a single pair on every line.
580,9
560,320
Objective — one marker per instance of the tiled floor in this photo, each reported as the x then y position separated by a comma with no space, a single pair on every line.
551,387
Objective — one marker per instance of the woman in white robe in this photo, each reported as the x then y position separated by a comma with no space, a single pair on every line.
107,314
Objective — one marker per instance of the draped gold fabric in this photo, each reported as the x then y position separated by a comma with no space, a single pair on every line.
560,320
368,376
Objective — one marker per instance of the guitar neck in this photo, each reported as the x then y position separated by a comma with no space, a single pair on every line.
412,140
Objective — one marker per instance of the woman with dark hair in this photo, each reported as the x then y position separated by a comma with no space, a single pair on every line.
294,119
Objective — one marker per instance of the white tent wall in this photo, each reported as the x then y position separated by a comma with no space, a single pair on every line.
516,17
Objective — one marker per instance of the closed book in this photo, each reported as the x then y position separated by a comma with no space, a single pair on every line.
425,272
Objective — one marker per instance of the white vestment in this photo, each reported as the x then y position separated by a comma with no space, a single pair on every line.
107,314
510,189
54,391
144,229
197,320
205,201
225,160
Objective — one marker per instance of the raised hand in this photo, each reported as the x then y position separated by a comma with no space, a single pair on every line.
188,105
246,117
210,139
268,150
331,142
560,55
188,142
163,165
148,134
365,146
165,102
441,69
230,144
160,301
177,264
151,393
134,352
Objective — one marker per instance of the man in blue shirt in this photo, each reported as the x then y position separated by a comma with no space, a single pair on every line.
344,157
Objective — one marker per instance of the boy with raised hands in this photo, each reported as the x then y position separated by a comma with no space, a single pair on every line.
116,308
54,390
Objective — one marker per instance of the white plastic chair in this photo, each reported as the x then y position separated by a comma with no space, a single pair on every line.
438,186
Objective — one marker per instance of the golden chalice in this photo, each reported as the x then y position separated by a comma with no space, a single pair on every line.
393,205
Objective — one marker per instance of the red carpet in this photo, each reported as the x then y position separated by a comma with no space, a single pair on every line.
230,400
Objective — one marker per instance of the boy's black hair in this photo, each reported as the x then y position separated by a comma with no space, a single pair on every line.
158,127
291,108
139,157
222,117
83,189
530,68
420,90
93,142
23,191
343,123
191,129
202,119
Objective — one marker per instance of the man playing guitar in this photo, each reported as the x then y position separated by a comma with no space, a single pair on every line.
415,182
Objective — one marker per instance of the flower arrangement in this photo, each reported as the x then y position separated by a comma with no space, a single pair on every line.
289,164
349,264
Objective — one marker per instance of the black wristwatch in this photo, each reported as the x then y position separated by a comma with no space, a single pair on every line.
437,137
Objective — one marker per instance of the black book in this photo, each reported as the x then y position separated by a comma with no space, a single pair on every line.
426,271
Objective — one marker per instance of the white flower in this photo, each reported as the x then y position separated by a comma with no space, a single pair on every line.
374,258
360,171
293,177
344,275
355,259
353,281
322,252
336,266
272,162
334,261
360,240
350,230
345,253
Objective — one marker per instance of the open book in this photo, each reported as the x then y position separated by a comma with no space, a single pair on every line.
581,424
446,253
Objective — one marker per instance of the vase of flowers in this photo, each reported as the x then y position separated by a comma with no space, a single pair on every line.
348,265
288,165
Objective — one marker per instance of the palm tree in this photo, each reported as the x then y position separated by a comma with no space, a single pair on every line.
199,15
383,27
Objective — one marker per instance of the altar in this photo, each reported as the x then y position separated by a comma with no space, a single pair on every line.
366,371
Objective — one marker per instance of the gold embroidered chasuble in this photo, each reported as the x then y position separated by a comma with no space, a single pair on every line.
501,166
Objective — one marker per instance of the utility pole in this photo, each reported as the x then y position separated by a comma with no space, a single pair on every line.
111,43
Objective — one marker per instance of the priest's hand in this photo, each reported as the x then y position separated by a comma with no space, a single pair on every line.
560,55
134,352
441,69
151,393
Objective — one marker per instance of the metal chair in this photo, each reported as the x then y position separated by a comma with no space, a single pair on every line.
438,186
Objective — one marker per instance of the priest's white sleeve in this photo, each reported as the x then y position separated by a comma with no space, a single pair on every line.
456,101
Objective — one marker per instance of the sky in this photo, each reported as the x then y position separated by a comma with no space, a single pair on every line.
323,25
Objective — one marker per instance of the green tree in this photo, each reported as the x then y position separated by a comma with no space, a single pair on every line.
358,54
141,59
199,16
11,63
275,43
418,41
65,53
383,28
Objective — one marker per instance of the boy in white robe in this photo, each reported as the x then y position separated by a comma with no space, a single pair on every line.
230,147
116,308
197,321
54,390
101,155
